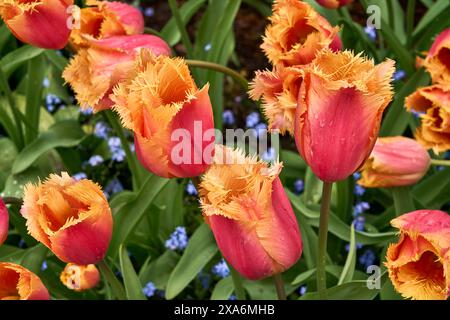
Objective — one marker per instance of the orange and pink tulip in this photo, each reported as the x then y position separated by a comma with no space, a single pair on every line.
4,222
434,104
95,70
41,23
80,278
104,19
437,61
419,264
333,4
19,283
171,118
244,203
394,162
72,218
340,105
296,33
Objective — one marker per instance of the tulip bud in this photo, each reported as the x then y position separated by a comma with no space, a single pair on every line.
18,283
297,33
4,222
244,203
104,19
419,264
433,103
80,278
341,101
394,162
333,4
72,218
171,118
41,23
437,61
95,70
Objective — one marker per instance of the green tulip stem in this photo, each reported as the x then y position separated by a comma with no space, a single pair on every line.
438,162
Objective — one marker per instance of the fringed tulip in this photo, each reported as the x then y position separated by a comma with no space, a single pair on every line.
296,33
419,264
433,103
18,283
80,278
279,92
244,203
104,19
333,4
340,105
394,162
41,23
437,61
4,222
72,218
171,118
95,70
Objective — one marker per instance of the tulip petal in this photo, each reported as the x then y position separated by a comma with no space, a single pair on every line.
4,222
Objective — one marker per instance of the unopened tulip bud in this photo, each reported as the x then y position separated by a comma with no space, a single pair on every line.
80,278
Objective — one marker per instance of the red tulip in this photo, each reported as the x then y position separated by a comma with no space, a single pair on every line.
245,205
171,118
341,101
4,222
41,23
72,218
333,4
437,61
18,283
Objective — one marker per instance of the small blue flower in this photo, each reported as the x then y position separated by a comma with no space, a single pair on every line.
269,155
101,130
190,189
22,243
228,118
79,176
359,190
113,187
360,207
252,119
132,147
205,279
299,186
358,246
367,258
149,12
359,223
115,147
232,297
371,32
87,111
208,46
399,75
302,290
95,160
221,269
238,99
178,239
149,289
46,82
356,176
44,266
259,130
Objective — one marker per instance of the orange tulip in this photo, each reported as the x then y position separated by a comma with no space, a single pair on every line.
419,264
340,105
72,218
434,103
333,4
18,283
4,222
104,19
296,33
80,278
437,61
279,92
95,70
394,162
245,205
171,118
41,23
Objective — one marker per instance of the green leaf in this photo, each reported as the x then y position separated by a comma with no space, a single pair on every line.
16,58
129,215
429,189
355,290
428,19
223,289
8,152
201,248
133,287
350,262
159,270
403,200
62,134
304,276
58,61
34,257
313,188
